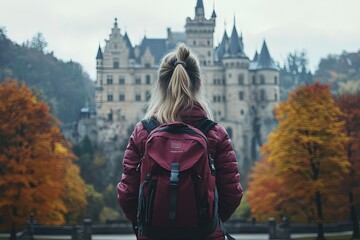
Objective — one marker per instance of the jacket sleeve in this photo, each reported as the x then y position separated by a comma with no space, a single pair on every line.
227,176
128,187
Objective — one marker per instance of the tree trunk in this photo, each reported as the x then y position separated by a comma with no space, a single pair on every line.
354,219
320,233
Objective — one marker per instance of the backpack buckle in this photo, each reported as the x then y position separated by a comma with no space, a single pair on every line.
174,175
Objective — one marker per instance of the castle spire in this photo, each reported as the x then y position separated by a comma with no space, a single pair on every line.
99,55
199,9
213,15
264,59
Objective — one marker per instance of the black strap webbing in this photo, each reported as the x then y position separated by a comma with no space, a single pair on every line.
149,124
204,125
174,181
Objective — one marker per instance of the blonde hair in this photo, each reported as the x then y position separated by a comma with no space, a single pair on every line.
178,87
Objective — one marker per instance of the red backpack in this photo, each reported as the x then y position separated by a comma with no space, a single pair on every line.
177,196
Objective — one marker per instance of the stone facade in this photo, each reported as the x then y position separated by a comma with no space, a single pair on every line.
242,92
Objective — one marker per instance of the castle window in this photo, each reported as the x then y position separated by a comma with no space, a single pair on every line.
254,80
109,79
209,53
194,42
208,42
242,112
241,95
137,80
110,97
224,98
138,97
275,80
116,63
122,97
230,75
121,80
147,65
214,98
148,79
110,116
115,46
241,79
262,95
275,97
262,79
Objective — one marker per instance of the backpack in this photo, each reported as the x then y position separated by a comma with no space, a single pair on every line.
177,196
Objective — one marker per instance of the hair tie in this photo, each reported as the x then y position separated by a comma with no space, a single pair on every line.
180,62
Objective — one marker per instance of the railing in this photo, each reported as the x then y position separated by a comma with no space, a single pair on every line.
283,230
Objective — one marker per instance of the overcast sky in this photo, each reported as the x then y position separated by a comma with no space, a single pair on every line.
75,28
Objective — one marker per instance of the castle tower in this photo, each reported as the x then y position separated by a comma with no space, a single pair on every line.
200,34
266,93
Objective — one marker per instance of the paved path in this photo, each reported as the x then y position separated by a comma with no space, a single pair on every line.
132,237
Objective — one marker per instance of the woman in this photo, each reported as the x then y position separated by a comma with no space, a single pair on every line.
178,96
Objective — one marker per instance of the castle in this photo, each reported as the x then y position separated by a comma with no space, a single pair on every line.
242,92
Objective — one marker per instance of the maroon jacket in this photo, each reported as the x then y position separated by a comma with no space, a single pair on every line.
220,147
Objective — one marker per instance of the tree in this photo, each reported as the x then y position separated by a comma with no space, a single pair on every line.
307,152
350,106
38,42
265,190
34,159
295,72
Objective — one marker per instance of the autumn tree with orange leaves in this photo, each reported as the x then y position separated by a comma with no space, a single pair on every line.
37,173
306,152
350,106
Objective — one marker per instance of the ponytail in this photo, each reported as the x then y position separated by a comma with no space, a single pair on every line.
178,87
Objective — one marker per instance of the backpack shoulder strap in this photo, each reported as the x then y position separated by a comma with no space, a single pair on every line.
204,125
149,124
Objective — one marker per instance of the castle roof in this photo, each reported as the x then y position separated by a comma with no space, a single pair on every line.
129,46
99,53
199,4
264,60
157,47
235,45
222,48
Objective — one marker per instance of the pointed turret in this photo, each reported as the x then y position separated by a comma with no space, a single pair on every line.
264,60
99,54
235,46
256,57
213,15
199,9
129,46
223,47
